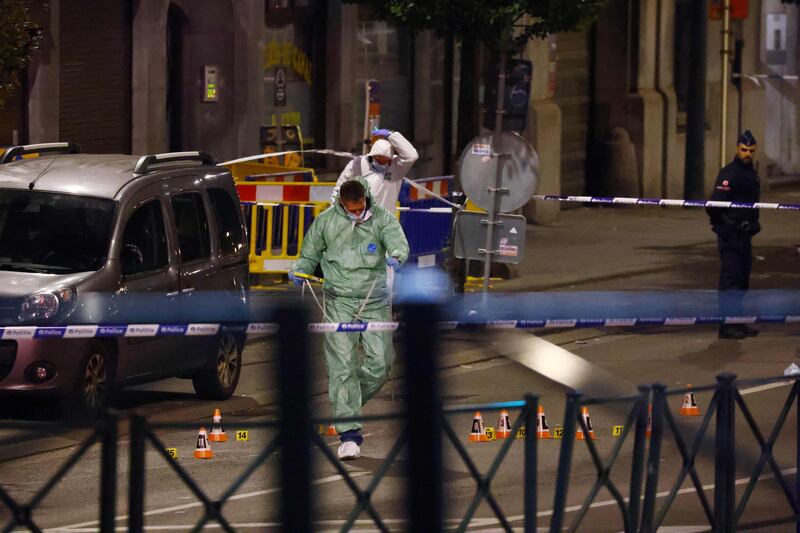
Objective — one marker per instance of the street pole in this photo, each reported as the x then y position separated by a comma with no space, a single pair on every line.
497,152
737,80
724,53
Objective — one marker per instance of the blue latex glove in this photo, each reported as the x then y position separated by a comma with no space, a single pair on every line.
393,263
294,279
381,133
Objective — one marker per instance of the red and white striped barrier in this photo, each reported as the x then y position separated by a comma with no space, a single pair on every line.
290,192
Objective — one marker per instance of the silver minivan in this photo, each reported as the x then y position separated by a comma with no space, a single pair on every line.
118,240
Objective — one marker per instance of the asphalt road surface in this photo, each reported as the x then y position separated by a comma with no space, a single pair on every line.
475,367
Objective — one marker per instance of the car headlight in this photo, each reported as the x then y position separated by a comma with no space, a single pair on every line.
45,305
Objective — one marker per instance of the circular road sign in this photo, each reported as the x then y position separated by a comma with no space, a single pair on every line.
519,171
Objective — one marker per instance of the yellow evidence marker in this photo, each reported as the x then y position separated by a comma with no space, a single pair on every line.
616,431
558,432
172,452
521,433
242,435
490,434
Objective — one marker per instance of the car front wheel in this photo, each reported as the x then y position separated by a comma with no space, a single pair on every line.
93,384
218,378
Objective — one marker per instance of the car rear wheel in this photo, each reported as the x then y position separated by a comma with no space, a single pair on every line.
93,384
218,378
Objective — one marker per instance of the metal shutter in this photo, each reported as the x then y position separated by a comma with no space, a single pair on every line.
95,74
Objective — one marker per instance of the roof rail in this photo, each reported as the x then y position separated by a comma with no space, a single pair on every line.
18,151
147,161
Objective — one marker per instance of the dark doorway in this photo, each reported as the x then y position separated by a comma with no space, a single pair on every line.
176,27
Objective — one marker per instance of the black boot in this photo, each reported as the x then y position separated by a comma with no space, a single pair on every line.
731,331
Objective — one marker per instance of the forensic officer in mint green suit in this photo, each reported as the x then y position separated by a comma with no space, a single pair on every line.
354,240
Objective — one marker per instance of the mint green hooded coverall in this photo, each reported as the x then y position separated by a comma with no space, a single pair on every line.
353,255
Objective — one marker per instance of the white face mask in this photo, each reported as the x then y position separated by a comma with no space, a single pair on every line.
377,167
356,218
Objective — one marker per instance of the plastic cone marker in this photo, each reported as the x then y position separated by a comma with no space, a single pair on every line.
689,407
217,431
542,429
503,425
588,421
478,432
203,448
328,430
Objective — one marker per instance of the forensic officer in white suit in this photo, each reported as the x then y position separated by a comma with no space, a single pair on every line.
388,161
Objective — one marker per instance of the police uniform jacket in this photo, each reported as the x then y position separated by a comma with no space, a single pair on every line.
737,182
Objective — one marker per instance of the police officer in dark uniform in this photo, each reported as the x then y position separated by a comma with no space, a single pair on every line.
735,227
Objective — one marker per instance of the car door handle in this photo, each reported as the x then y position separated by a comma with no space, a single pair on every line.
172,294
188,290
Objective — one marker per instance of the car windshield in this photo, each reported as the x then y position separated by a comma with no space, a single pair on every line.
53,233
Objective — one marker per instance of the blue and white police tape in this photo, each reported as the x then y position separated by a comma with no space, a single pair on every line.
621,200
756,78
86,331
621,322
402,209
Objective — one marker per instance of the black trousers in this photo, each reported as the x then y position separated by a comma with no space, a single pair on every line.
736,260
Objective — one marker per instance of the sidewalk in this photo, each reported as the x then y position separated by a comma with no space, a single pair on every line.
592,244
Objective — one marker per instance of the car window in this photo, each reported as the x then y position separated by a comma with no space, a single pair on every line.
144,241
192,226
228,225
52,232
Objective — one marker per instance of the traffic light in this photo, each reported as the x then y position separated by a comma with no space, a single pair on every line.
515,97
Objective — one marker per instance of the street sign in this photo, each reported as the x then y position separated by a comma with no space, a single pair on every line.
470,237
518,177
280,86
516,95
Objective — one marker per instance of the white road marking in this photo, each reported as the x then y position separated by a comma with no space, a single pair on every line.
163,510
768,386
476,522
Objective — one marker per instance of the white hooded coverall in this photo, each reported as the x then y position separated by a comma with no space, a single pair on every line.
383,186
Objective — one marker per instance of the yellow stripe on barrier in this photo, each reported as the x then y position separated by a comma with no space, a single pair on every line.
309,277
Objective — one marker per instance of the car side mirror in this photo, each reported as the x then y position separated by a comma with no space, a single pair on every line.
131,259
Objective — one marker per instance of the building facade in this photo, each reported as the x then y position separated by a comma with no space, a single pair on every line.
607,105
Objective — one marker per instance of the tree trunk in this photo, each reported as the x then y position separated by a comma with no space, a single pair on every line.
447,116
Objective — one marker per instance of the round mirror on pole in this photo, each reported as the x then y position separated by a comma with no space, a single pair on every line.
520,171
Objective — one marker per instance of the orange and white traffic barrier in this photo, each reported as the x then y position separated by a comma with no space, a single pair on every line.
588,421
542,429
503,425
286,192
203,448
478,431
217,431
689,407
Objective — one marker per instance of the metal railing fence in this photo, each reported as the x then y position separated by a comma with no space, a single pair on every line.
423,441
